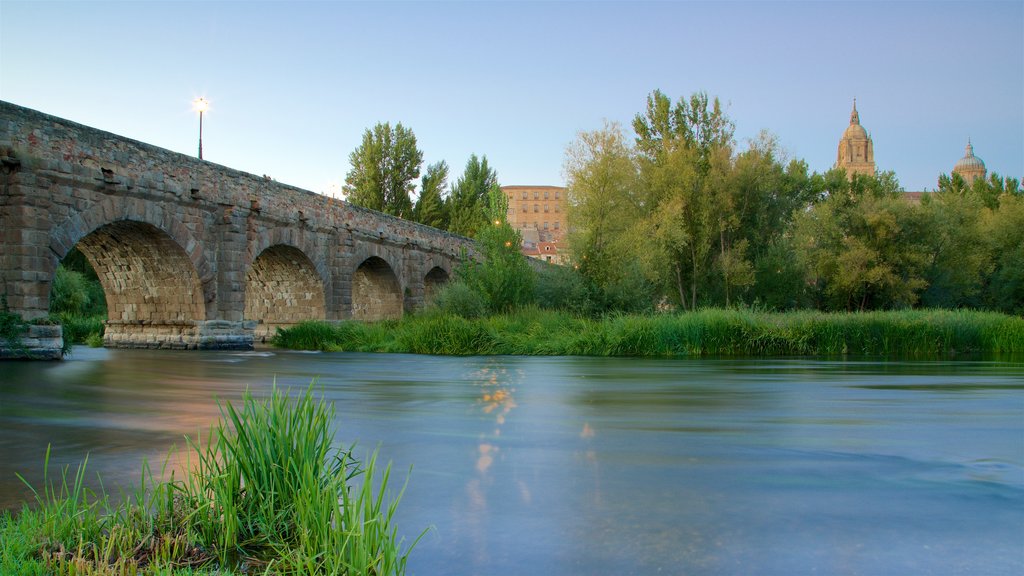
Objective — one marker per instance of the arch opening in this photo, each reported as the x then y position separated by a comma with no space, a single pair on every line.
282,288
433,282
376,293
153,293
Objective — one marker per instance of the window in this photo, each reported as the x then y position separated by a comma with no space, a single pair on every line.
545,194
536,194
545,208
545,225
556,194
556,224
524,194
524,207
536,208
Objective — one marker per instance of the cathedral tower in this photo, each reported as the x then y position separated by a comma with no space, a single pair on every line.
856,151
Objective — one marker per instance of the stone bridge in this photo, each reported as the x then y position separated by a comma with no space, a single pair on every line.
192,254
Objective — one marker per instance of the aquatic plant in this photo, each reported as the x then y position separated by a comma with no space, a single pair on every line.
269,495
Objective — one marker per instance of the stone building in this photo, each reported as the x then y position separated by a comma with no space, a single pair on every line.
856,150
970,167
539,213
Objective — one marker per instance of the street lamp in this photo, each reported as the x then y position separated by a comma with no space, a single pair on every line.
201,105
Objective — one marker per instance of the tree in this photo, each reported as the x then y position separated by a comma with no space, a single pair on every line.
504,277
468,205
603,202
864,245
1005,225
431,208
384,169
684,158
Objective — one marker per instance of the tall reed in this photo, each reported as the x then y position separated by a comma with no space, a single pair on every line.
711,332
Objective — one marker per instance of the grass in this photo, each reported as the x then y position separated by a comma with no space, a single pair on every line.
81,329
713,332
269,495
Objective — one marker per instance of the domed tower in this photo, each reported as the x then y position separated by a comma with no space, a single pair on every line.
856,151
970,166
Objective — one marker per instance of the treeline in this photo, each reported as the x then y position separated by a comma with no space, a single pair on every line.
677,217
383,172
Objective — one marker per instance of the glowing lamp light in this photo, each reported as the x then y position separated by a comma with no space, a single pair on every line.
200,105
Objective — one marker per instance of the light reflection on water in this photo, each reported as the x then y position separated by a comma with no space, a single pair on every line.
600,466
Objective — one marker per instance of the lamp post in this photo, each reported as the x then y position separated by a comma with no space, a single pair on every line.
200,104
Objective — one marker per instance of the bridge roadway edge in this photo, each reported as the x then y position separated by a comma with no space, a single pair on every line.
195,229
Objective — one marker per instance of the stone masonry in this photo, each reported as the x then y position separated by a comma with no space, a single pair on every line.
192,254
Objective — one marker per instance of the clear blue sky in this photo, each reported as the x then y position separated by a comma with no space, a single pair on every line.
294,85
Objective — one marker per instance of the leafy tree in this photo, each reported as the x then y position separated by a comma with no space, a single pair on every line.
431,208
504,277
1005,225
384,169
603,204
864,246
763,195
468,205
684,159
961,258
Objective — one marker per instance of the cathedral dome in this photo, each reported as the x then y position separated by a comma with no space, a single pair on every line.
855,132
969,162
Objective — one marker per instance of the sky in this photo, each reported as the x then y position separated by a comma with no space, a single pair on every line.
294,85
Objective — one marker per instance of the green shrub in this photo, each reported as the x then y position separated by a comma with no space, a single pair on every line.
458,299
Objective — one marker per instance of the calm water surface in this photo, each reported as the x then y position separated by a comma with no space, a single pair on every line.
600,466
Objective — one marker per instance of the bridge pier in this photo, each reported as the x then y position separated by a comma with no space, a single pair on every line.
180,335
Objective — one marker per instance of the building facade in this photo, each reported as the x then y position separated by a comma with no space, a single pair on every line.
539,213
856,150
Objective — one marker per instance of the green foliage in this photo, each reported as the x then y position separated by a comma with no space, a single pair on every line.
79,329
384,169
708,332
1004,289
459,299
69,293
431,208
469,204
94,340
864,247
269,494
504,278
12,326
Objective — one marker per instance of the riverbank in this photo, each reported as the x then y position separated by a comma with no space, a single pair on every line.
706,333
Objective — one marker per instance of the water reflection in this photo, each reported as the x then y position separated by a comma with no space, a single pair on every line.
602,466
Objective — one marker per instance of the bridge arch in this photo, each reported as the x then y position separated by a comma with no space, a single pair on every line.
433,282
153,292
376,292
115,210
283,287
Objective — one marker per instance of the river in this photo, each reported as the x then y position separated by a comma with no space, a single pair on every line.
555,466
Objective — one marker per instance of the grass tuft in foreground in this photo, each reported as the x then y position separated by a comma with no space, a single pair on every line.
713,332
269,496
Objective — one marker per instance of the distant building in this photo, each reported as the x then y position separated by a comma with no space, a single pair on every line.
539,213
970,167
856,150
